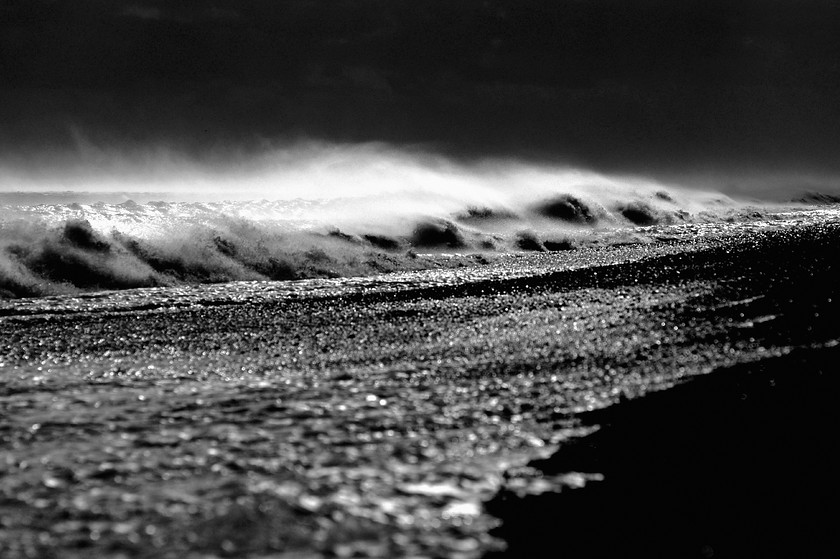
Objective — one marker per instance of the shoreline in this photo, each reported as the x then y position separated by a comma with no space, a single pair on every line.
737,463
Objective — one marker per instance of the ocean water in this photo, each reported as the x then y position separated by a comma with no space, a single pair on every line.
388,408
116,221
69,242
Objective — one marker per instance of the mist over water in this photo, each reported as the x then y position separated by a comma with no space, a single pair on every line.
315,210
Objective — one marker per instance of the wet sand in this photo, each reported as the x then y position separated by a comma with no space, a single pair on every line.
376,417
738,463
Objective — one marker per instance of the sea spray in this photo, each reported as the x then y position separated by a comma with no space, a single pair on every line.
313,211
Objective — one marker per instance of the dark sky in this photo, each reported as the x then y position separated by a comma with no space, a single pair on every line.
613,84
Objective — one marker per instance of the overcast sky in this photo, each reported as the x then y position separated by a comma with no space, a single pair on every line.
615,85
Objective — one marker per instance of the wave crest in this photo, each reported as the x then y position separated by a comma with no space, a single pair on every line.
63,248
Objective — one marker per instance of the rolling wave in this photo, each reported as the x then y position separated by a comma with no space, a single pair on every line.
359,211
64,248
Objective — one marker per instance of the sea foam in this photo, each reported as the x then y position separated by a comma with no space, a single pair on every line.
320,214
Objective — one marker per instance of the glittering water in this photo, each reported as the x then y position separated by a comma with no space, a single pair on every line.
369,415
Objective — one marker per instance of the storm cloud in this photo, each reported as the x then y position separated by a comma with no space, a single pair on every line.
610,84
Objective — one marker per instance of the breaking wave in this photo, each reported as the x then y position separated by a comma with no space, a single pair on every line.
397,214
52,249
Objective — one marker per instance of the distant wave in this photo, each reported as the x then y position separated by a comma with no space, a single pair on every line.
64,248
